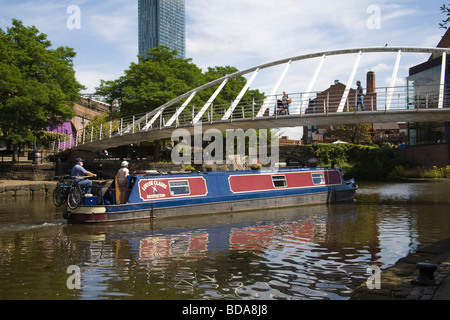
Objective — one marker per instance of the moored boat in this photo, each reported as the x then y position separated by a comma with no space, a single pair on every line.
186,194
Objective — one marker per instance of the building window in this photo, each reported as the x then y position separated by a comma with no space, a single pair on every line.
318,178
279,181
179,188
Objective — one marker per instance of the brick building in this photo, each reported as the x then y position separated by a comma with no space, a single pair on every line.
328,102
86,110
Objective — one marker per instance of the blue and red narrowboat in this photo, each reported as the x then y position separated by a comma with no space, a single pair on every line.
186,194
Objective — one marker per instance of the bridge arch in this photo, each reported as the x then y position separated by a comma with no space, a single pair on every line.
160,122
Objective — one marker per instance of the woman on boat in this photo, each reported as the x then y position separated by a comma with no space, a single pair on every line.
121,177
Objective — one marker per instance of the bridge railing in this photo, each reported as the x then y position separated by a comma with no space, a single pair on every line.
303,104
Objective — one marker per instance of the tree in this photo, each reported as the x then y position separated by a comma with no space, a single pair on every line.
37,83
153,81
355,133
162,77
446,11
232,90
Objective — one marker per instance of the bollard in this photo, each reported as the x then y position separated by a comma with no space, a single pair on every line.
426,274
58,168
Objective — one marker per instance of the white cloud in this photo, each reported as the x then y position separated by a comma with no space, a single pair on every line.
396,11
272,29
381,67
112,28
90,76
245,34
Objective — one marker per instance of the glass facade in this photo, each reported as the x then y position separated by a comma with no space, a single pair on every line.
424,84
423,92
162,22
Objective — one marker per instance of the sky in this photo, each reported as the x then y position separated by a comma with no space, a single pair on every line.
242,34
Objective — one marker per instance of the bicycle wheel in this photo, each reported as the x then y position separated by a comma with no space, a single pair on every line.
59,196
74,198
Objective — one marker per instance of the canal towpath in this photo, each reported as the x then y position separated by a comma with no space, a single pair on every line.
25,187
396,280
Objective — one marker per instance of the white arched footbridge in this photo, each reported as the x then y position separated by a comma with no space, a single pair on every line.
308,108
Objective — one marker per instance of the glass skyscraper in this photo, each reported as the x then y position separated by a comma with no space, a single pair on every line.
162,22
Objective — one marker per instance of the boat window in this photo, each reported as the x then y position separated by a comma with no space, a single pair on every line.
279,181
318,178
178,188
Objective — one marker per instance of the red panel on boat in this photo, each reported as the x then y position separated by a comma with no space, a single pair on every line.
333,177
154,189
275,181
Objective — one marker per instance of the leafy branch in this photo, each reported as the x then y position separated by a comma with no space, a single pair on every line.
446,10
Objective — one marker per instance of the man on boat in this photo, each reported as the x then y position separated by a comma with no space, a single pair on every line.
78,172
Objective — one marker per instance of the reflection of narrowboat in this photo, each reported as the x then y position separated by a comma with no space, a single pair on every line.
185,194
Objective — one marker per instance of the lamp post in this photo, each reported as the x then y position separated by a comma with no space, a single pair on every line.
82,123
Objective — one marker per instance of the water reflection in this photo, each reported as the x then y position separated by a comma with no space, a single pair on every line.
313,252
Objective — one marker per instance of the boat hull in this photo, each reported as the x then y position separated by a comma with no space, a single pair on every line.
117,213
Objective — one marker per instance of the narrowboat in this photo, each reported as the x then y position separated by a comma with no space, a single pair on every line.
155,196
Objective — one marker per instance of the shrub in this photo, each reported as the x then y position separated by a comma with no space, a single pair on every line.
369,163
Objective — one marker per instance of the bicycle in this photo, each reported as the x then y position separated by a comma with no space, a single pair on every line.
76,193
61,191
74,197
68,190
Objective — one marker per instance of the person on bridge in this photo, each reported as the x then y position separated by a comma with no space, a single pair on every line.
78,172
360,97
286,100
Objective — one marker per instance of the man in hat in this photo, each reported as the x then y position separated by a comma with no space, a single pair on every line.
78,172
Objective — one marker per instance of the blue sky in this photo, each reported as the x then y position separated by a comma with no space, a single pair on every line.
241,33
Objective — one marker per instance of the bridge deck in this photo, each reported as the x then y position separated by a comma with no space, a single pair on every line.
418,115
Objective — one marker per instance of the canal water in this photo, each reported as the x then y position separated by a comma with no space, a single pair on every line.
311,253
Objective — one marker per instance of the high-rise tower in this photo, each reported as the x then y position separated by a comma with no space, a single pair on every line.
162,22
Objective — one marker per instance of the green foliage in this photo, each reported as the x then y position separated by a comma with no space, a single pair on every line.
355,133
101,126
364,163
46,137
232,89
373,163
422,173
440,172
37,83
162,77
152,81
446,10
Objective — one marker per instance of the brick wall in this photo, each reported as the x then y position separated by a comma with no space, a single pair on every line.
429,155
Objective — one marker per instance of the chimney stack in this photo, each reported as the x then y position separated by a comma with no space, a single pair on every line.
371,87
